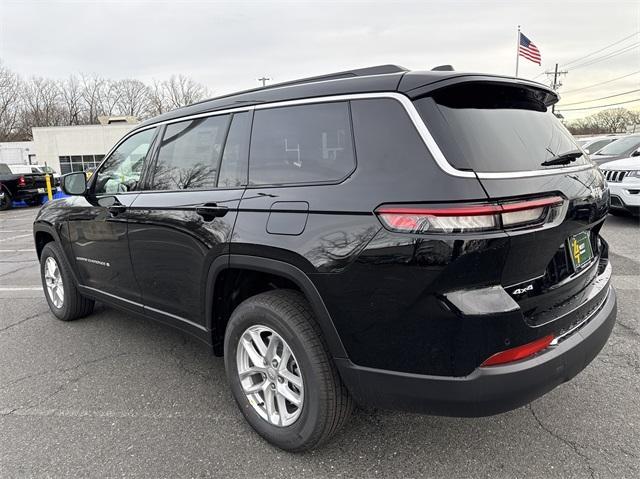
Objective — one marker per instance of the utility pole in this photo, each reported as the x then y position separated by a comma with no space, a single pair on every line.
264,80
556,83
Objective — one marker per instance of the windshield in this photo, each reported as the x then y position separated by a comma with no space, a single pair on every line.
621,146
493,127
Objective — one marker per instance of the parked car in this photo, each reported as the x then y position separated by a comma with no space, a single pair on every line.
621,148
27,187
42,169
623,177
426,241
594,144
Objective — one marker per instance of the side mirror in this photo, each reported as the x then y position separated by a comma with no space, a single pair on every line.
74,184
636,153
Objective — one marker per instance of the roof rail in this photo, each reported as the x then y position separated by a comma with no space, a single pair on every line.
375,70
359,72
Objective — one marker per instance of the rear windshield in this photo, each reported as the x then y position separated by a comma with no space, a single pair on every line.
488,127
621,146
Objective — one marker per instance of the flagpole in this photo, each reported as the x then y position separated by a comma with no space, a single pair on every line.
517,51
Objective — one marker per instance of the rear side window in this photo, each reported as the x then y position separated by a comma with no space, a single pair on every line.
190,153
233,169
496,128
301,144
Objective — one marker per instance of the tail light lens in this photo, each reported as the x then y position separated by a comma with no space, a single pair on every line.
520,352
22,182
471,218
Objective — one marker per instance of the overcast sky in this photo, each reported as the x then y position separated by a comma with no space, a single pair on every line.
228,45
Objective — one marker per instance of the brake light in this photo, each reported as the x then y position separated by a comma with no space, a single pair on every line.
22,182
520,352
468,218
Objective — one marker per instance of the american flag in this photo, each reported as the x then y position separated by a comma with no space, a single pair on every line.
528,50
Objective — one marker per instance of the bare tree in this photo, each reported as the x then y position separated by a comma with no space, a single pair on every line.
182,91
132,97
10,103
92,87
42,106
71,94
157,99
613,120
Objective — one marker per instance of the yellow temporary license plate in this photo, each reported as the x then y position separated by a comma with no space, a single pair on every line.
580,249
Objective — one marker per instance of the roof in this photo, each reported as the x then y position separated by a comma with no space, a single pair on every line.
383,78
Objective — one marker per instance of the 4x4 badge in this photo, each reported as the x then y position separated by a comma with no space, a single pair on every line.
523,290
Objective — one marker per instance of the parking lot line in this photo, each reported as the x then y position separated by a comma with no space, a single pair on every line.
21,288
13,238
15,231
27,250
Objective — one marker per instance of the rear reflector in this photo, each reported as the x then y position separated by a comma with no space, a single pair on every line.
520,352
482,217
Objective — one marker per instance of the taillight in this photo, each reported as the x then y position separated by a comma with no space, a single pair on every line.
470,218
520,352
22,182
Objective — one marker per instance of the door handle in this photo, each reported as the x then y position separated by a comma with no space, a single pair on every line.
115,210
209,211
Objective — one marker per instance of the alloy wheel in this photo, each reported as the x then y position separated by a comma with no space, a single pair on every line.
53,281
270,376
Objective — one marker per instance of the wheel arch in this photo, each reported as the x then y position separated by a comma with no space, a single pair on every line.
276,268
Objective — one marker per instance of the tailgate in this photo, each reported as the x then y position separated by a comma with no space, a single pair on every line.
539,272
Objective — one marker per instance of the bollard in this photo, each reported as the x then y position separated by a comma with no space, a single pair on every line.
47,179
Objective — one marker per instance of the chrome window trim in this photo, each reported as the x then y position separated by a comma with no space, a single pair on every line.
410,109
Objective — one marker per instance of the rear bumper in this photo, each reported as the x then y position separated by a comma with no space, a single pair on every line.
27,194
488,390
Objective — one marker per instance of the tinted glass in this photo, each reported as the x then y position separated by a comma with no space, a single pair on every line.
189,154
623,145
496,128
596,145
301,144
121,171
233,169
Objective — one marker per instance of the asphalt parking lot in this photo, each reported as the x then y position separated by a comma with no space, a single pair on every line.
116,395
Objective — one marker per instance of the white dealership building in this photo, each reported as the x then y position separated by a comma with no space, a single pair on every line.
81,147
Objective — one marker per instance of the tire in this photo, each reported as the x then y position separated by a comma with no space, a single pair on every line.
6,202
326,403
73,305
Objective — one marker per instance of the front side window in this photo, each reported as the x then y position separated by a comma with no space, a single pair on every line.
301,144
189,154
121,172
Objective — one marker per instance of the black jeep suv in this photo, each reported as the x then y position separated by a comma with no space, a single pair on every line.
425,241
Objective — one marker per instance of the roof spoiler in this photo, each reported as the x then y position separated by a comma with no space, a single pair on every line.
443,68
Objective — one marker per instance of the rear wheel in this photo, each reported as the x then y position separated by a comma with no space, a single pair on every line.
65,302
281,372
5,200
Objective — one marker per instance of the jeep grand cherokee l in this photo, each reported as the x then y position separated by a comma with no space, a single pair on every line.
426,241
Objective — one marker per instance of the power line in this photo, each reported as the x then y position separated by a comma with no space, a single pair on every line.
601,83
600,106
615,53
598,51
601,98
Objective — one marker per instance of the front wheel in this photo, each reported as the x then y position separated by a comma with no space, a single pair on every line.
65,301
281,372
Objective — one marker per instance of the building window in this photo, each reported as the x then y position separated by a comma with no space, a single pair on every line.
79,163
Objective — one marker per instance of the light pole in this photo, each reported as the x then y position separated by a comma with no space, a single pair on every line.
264,80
